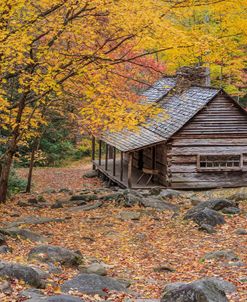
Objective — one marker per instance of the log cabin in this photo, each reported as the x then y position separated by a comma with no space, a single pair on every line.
201,144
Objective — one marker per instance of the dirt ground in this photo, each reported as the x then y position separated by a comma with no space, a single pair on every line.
132,248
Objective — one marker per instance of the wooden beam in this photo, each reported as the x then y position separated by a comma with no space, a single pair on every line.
130,170
93,151
153,158
114,161
121,167
100,151
106,156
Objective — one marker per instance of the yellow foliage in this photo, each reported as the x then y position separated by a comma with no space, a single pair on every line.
68,50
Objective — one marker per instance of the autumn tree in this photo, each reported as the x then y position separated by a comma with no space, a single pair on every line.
48,46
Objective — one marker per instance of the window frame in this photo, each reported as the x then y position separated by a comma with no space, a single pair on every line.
218,169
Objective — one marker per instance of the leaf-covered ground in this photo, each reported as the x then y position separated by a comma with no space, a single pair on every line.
132,248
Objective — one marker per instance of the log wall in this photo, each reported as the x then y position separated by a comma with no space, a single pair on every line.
219,129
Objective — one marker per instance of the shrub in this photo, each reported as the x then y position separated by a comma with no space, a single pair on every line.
16,184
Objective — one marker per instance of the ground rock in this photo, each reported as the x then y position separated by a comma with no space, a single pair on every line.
155,190
92,284
195,201
32,201
2,240
132,198
158,204
34,220
87,207
36,296
5,287
231,210
240,196
4,249
222,255
114,196
91,174
207,228
55,254
206,216
241,232
57,205
94,268
163,268
25,234
22,272
130,215
169,194
84,197
204,290
214,204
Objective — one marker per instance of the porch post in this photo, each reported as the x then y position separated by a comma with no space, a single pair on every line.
100,151
153,158
130,170
114,161
93,151
106,156
121,166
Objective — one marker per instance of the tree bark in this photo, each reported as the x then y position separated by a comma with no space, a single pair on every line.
30,172
9,154
5,171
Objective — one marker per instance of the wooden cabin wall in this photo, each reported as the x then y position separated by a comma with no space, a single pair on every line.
220,129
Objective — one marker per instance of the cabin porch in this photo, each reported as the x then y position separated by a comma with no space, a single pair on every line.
121,178
122,167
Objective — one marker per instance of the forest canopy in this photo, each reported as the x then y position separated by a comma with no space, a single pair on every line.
87,59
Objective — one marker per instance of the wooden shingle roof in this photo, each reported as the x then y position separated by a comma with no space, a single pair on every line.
179,107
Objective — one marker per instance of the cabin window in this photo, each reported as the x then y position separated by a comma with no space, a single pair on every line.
220,162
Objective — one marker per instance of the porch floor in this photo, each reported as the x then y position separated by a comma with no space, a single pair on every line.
136,173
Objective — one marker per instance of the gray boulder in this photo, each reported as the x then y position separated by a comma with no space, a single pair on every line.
34,220
57,205
55,254
206,216
207,228
231,210
159,204
86,207
215,204
63,298
130,215
91,174
25,234
241,232
5,287
92,284
240,196
4,249
2,240
222,255
132,198
94,268
84,197
36,296
204,290
169,194
155,190
26,273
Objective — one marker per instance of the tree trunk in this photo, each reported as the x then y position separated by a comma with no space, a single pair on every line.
9,154
30,172
35,148
5,170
